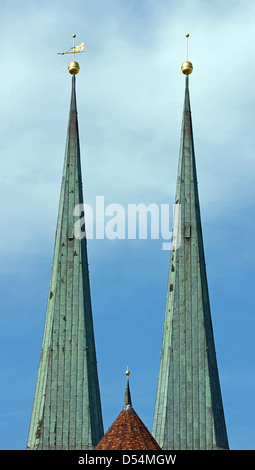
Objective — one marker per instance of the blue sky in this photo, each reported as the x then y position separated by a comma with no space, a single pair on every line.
130,93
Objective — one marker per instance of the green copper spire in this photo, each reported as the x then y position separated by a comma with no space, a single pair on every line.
188,411
67,408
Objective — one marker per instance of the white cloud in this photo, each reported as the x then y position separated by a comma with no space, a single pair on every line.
130,95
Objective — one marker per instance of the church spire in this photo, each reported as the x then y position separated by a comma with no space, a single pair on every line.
67,407
127,398
188,410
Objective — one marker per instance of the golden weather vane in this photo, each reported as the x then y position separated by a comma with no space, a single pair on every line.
74,67
187,66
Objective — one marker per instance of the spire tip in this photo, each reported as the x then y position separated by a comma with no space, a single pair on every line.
74,67
187,67
127,398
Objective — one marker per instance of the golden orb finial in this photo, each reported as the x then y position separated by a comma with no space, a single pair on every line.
73,68
127,371
187,67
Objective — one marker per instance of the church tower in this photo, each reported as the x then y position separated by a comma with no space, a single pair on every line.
188,410
66,411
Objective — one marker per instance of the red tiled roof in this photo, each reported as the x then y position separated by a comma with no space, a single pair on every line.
128,433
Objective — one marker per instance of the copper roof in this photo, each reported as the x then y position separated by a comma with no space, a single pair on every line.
188,408
67,406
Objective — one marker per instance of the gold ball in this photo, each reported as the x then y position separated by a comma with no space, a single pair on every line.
73,68
74,35
187,35
187,68
127,372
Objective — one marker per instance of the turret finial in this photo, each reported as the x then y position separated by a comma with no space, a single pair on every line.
127,398
74,67
187,66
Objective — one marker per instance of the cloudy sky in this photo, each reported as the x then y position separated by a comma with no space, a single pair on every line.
130,94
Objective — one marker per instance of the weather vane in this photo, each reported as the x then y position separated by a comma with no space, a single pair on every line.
187,66
74,67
